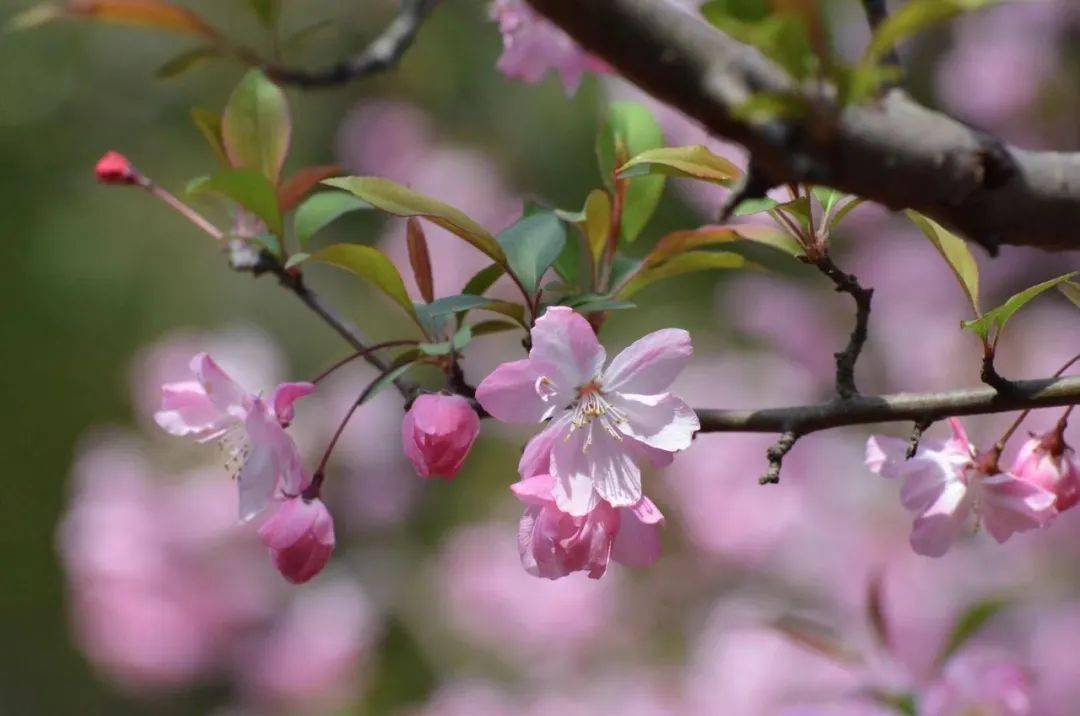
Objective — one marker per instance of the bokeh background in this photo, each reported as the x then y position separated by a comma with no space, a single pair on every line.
126,588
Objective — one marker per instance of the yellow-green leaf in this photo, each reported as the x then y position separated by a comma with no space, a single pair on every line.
998,317
915,16
371,265
395,199
249,189
597,222
678,242
628,130
142,13
1071,289
256,128
680,264
955,252
769,236
34,16
694,162
209,126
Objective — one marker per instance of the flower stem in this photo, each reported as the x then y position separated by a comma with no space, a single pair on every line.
999,446
183,210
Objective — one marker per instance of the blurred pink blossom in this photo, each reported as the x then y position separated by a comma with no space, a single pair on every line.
532,46
214,408
300,537
437,434
945,486
979,682
615,416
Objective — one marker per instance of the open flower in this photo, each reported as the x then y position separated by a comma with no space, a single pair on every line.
948,489
300,537
532,45
1047,462
437,434
249,430
604,421
554,543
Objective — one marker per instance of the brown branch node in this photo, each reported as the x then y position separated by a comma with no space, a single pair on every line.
776,454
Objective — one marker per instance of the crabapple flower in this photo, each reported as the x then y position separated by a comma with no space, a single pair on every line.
553,543
300,537
249,430
1045,461
947,488
603,421
437,434
114,168
533,45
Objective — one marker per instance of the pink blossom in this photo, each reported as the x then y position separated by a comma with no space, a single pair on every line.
554,543
604,420
1046,462
947,490
532,46
251,432
437,434
300,537
979,682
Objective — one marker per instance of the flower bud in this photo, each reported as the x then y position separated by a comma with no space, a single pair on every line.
114,168
300,537
437,434
1047,462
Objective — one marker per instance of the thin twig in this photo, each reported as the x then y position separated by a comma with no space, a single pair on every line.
991,377
776,455
845,359
917,431
868,409
381,55
361,353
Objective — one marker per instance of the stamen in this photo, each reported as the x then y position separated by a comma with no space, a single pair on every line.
235,448
592,405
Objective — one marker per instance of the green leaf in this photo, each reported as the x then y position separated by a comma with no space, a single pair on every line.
34,16
844,210
531,246
783,37
485,328
321,209
597,223
798,209
827,197
995,319
247,188
763,107
185,61
371,265
592,302
297,259
969,623
629,130
452,304
461,339
913,17
771,237
678,242
1071,289
747,207
268,11
400,201
955,252
209,126
270,242
694,162
387,379
256,128
154,14
483,279
681,264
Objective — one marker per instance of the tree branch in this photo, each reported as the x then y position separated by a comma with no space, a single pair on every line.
892,151
918,407
845,359
381,55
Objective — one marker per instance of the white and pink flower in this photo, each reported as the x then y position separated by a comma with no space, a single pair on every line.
948,489
437,434
603,421
1045,461
250,431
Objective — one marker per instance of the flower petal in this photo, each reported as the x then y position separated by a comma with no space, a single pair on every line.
565,348
512,393
638,543
186,410
573,469
650,364
1008,504
536,458
665,423
534,490
222,390
285,395
593,464
936,529
647,511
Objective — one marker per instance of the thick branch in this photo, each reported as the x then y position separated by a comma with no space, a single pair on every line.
381,55
919,407
846,359
893,151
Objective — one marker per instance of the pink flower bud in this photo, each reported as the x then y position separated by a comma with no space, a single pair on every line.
114,168
1045,461
437,434
300,537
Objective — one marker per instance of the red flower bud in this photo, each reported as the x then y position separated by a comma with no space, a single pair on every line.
114,168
